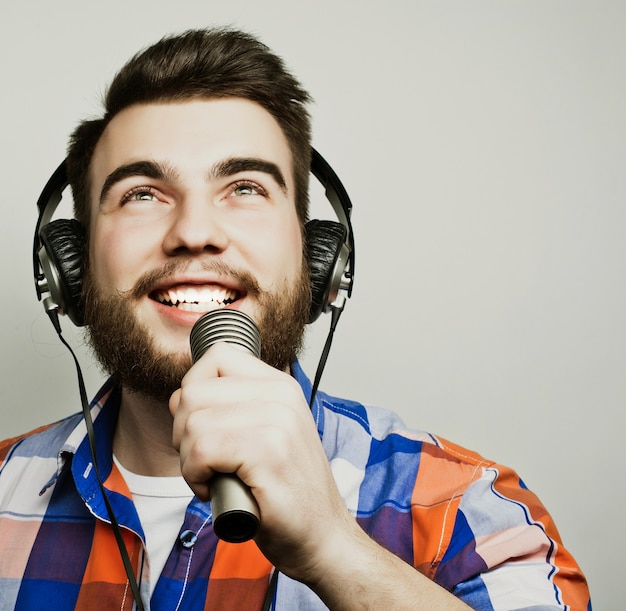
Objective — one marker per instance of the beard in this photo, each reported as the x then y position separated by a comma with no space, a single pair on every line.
127,350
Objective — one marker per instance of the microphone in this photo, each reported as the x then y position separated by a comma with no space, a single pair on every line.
236,515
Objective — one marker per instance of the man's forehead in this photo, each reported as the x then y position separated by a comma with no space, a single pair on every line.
200,130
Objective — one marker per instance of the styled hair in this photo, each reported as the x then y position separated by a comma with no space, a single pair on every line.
200,64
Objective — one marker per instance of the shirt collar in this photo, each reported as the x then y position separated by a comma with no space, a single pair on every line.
78,434
109,396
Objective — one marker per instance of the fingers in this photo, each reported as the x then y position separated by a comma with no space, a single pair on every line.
233,414
224,359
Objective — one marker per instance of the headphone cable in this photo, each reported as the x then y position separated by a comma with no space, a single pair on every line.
335,315
117,531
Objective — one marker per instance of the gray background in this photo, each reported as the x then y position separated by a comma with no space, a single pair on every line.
484,146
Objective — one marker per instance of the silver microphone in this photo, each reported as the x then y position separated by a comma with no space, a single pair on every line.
236,515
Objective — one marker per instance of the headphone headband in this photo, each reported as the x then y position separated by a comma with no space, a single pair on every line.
47,203
338,197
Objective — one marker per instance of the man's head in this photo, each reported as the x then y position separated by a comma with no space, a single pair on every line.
193,188
201,64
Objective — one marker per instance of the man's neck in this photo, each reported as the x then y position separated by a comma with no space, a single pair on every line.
143,437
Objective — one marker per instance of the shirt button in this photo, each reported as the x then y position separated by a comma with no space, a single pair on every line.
188,538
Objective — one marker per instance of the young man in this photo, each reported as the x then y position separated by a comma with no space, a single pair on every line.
192,193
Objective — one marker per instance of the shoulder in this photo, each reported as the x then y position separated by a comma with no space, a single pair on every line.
43,442
374,421
64,435
383,427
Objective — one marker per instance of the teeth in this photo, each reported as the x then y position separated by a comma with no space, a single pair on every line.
198,307
207,295
196,299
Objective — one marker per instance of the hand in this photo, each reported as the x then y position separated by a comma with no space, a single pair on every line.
235,414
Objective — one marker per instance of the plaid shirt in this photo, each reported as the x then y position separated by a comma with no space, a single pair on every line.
465,522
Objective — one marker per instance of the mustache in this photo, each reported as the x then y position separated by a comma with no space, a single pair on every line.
149,280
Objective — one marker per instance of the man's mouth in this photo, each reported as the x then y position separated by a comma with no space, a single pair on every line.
196,299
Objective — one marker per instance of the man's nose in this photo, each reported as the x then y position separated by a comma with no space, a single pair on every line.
196,226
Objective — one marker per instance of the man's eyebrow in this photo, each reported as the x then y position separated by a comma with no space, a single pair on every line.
149,169
234,165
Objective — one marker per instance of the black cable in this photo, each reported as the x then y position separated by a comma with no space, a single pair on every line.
335,315
128,567
271,591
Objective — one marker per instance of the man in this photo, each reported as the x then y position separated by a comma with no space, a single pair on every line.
192,192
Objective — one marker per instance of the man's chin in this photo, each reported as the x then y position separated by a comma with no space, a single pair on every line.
157,378
172,347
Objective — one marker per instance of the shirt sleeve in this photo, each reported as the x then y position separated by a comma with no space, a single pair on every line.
498,548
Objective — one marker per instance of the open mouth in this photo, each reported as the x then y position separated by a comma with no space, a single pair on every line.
196,299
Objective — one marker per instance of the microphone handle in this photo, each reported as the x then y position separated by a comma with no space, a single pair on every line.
236,514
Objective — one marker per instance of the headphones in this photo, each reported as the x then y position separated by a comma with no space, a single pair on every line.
59,249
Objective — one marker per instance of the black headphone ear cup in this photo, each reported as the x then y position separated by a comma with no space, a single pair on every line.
325,241
61,258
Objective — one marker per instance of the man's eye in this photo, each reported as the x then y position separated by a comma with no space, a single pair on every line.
244,190
241,189
139,194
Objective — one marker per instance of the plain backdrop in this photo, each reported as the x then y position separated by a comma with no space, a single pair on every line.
483,144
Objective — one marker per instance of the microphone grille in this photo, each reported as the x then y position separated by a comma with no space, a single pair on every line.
231,326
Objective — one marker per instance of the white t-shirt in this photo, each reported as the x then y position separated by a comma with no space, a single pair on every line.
161,503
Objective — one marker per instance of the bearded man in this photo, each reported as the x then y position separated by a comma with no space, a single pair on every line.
191,191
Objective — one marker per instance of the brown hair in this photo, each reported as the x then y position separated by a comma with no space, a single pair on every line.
213,63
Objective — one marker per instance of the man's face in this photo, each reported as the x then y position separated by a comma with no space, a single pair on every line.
192,209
